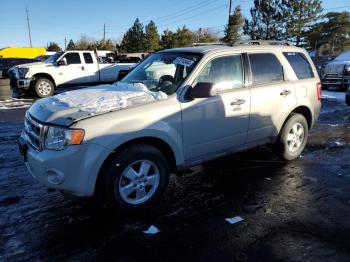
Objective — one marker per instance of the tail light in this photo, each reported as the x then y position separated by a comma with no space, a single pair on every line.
319,90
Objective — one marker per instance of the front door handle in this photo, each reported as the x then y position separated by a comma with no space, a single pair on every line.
82,68
237,102
285,92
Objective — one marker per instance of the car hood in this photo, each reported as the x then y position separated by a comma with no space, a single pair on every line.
34,65
335,67
69,107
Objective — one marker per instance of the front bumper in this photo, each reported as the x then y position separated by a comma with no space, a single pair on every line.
336,81
20,83
73,170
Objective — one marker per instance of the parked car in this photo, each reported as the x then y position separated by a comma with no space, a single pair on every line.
21,52
337,72
121,141
64,68
7,63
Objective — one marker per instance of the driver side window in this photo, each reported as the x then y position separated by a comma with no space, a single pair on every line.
72,58
225,72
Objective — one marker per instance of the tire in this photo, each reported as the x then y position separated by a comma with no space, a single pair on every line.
4,82
44,87
289,146
119,174
347,98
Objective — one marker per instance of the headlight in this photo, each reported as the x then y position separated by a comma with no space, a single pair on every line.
22,71
59,138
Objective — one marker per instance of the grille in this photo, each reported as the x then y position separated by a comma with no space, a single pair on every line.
34,132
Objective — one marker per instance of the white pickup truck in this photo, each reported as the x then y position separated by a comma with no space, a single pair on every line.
64,68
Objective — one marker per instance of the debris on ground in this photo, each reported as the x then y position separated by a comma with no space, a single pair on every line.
234,220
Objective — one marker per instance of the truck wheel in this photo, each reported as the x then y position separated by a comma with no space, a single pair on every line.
347,98
135,178
293,137
44,87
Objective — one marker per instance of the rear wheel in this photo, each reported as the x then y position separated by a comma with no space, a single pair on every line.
44,87
135,178
293,137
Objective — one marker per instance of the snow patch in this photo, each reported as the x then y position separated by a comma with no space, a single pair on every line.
106,98
234,220
339,96
15,103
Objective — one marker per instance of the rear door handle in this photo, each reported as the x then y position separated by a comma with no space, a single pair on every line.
285,92
82,68
237,102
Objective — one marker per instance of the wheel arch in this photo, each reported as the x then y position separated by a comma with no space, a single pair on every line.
44,75
158,143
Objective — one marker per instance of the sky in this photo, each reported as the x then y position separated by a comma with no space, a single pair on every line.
70,19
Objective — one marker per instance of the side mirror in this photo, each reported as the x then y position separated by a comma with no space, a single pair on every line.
201,90
62,62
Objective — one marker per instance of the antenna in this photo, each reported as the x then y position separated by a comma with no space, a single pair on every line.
30,37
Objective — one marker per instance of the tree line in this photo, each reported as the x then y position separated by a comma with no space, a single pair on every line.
301,22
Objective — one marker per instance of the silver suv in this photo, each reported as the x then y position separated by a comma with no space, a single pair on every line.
191,105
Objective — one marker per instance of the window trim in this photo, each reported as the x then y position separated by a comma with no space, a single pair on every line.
251,84
194,82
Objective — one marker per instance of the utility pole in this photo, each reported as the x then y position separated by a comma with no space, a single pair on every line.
65,43
230,10
30,37
104,32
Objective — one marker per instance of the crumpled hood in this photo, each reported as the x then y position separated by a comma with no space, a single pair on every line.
69,107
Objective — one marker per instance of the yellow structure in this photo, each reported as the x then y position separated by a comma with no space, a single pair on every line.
21,52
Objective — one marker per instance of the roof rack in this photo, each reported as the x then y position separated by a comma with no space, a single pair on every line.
262,42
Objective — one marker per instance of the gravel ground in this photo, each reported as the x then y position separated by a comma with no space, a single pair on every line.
292,211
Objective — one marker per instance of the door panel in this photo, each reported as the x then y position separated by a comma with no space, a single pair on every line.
73,72
270,105
90,68
213,125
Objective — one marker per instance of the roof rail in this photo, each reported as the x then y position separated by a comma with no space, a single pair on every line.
262,42
205,44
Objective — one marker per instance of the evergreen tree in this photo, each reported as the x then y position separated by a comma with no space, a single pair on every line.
134,39
53,47
300,15
267,21
167,39
332,34
71,45
205,36
234,26
152,37
183,37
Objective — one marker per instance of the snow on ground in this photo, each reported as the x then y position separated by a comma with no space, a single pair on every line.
16,103
104,98
339,96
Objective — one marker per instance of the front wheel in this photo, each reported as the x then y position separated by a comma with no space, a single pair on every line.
44,87
135,178
293,137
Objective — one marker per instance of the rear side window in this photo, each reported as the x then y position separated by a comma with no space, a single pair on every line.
226,72
266,68
300,64
88,58
73,58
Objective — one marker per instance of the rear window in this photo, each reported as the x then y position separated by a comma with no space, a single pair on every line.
266,68
300,64
88,58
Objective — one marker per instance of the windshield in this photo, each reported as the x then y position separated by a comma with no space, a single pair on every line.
52,59
163,71
343,57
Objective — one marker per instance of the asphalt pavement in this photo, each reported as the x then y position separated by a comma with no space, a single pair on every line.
291,211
